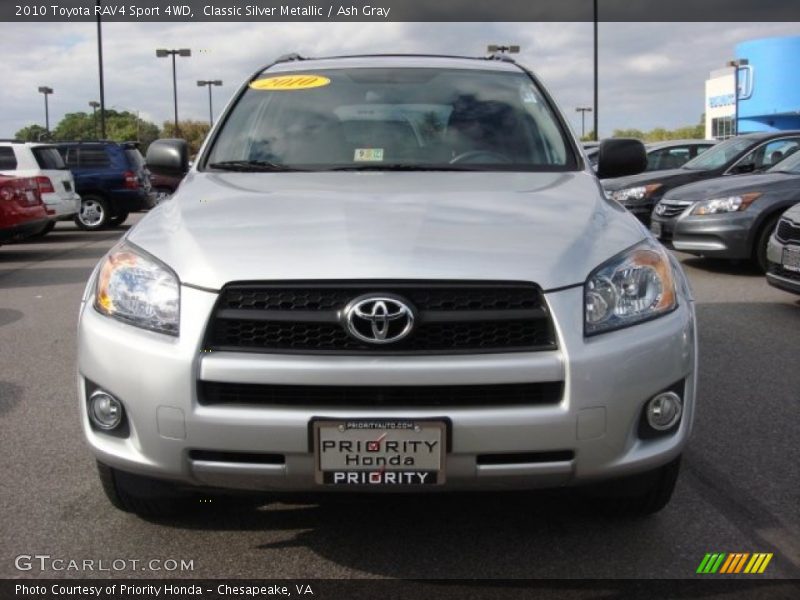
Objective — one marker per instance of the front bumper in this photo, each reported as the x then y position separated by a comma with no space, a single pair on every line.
778,276
607,379
726,235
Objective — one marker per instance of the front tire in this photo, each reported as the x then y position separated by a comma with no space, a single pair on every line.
638,495
141,495
93,214
760,249
118,219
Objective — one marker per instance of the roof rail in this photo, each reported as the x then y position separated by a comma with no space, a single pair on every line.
289,57
12,140
501,56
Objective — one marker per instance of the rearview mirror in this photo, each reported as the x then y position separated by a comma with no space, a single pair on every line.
169,157
618,157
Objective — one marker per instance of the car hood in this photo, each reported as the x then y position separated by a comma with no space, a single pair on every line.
738,184
549,228
620,183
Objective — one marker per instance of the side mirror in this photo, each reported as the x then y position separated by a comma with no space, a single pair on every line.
618,157
168,157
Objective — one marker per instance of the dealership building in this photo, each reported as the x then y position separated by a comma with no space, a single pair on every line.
767,72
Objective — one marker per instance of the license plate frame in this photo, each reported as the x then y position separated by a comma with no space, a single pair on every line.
430,471
793,256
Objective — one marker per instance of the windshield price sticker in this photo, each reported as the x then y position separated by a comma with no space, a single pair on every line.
286,83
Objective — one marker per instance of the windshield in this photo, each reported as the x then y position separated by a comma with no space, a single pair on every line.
720,155
790,164
394,118
135,157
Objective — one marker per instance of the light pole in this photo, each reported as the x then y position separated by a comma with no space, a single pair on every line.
583,110
209,83
100,71
163,53
94,104
736,64
46,91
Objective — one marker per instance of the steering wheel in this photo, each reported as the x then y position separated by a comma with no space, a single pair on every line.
471,155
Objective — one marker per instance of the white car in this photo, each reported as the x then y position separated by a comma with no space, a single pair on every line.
43,163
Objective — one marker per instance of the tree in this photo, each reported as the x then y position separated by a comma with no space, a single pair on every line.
660,134
31,133
121,126
194,132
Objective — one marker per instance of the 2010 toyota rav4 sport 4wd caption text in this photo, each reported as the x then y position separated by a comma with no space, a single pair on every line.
388,273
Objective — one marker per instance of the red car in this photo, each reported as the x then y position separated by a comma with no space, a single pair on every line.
22,212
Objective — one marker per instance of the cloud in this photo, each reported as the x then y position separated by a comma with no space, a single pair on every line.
651,74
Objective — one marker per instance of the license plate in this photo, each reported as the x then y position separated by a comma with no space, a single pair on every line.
655,227
379,452
791,259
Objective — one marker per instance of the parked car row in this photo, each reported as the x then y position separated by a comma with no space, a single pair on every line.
97,184
749,153
702,209
669,154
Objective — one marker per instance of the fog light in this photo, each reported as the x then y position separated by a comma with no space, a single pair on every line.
105,411
664,410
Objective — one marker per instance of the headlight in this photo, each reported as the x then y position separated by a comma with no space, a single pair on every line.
134,287
640,192
724,205
634,286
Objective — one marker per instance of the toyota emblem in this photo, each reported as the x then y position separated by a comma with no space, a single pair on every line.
378,319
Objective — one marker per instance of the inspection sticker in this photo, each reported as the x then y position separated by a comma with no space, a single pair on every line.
368,154
287,83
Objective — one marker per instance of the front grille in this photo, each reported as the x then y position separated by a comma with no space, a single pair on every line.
785,273
450,318
512,394
668,211
788,232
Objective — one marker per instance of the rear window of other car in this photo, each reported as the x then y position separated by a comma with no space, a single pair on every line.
48,158
135,158
93,156
8,162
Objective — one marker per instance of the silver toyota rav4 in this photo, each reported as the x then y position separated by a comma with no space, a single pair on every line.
388,273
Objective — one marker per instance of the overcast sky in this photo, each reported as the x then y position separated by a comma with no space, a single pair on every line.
651,74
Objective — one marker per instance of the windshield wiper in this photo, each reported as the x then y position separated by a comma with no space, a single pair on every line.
251,166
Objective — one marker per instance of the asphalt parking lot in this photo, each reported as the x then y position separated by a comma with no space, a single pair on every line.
739,490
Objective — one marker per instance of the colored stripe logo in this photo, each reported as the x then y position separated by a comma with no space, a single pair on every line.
734,562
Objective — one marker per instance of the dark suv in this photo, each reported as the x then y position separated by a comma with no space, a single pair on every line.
111,179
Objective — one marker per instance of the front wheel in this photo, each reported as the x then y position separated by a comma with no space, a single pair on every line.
118,219
93,214
762,241
637,495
